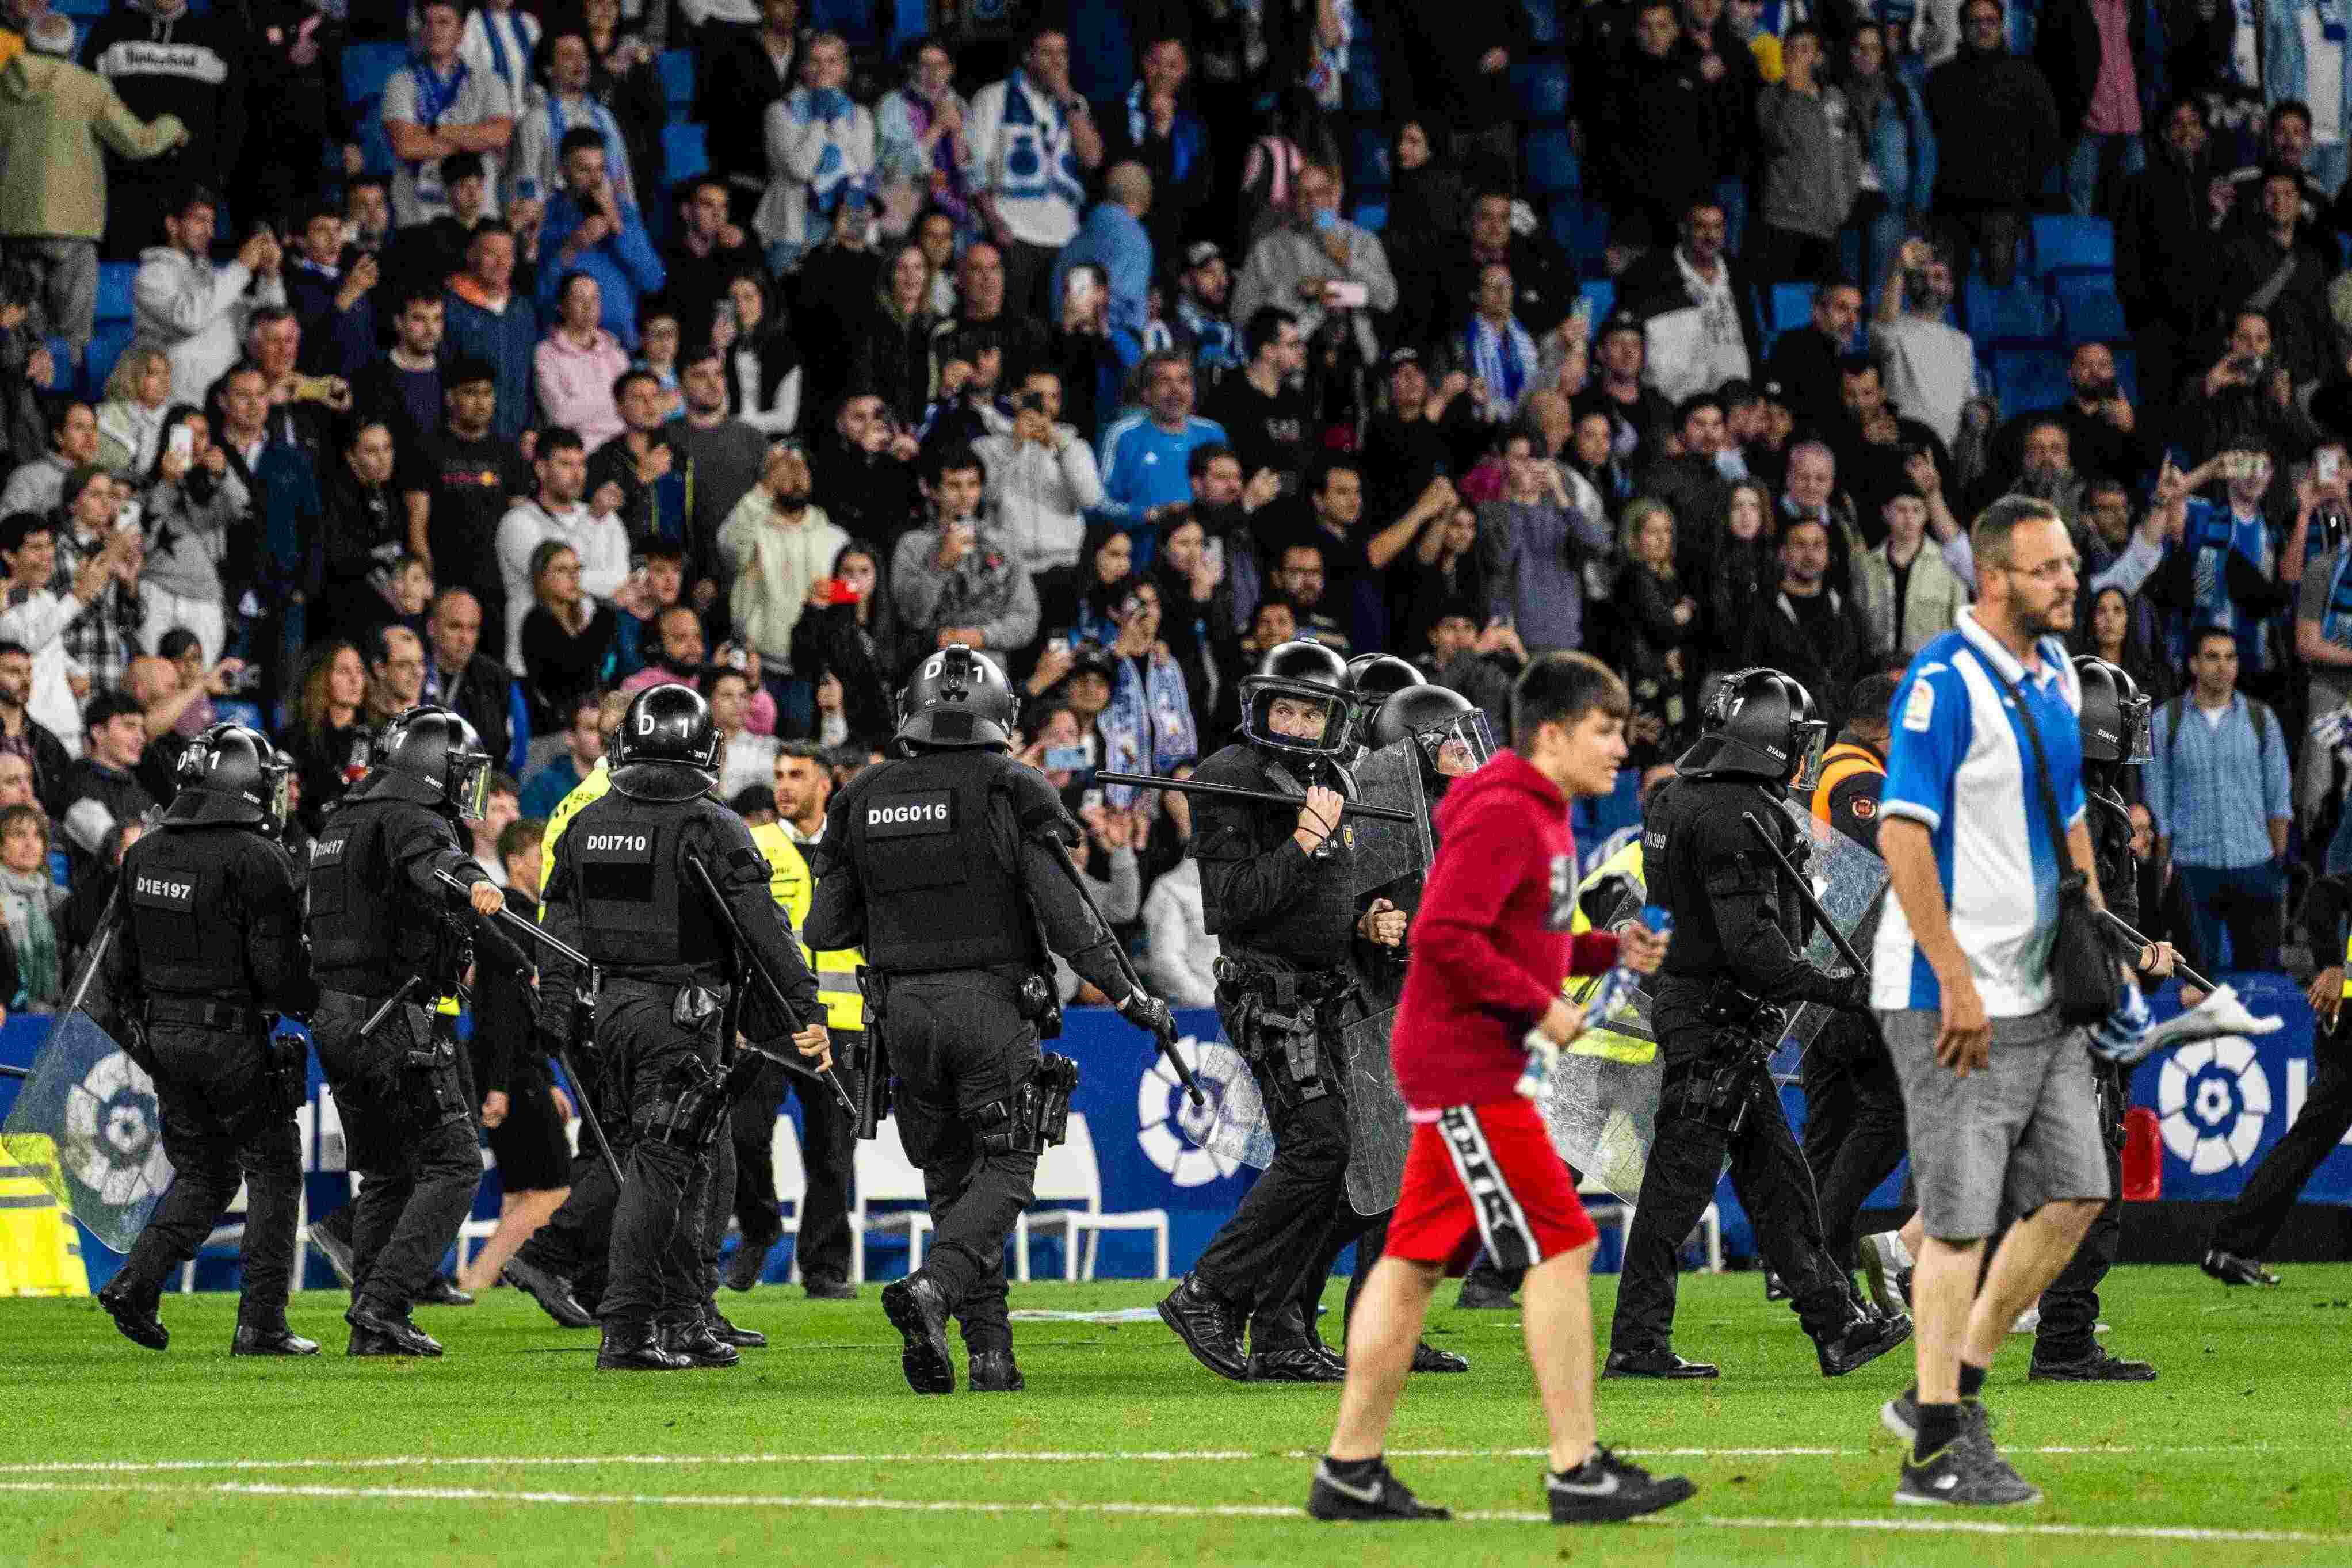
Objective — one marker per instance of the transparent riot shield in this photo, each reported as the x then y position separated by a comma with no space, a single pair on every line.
1233,1123
1387,852
1379,1132
88,1120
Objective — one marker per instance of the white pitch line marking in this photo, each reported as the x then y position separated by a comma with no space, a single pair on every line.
233,1489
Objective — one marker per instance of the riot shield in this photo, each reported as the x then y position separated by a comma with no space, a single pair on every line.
1379,1132
1234,1123
1851,882
1601,1113
89,1122
1387,852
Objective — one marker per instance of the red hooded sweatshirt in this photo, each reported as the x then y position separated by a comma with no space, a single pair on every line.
1490,943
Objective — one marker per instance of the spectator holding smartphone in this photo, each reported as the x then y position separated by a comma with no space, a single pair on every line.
779,549
850,651
957,581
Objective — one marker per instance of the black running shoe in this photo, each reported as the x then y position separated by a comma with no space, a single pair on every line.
1900,1415
1967,1472
1605,1487
1209,1327
1377,1496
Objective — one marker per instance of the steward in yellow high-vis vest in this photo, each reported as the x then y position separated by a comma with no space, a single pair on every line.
795,890
1601,894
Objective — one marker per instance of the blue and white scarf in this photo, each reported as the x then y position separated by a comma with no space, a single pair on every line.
1184,141
834,178
1215,346
616,152
1148,727
1040,160
433,98
1327,77
1505,358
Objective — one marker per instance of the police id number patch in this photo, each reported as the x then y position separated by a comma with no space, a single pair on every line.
910,816
164,892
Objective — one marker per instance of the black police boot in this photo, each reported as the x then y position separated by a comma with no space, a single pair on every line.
740,1338
442,1290
636,1347
750,1259
551,1289
1285,1348
1480,1295
1659,1363
1427,1357
829,1287
918,1311
1209,1327
1774,1290
1858,1342
2232,1269
695,1341
2093,1365
132,1308
378,1333
252,1340
993,1371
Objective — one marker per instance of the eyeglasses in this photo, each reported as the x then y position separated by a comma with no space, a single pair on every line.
2050,570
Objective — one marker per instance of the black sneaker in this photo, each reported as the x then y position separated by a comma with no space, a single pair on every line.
134,1311
2093,1365
1380,1496
1427,1357
1967,1472
1655,1364
2232,1269
1605,1487
1209,1327
919,1313
376,1332
263,1341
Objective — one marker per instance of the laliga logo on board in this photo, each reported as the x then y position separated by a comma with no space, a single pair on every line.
1169,1130
2214,1097
113,1142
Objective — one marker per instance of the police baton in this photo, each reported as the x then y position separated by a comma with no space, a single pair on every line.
1805,892
2136,940
757,965
580,961
375,1019
1165,1042
10,1070
1258,796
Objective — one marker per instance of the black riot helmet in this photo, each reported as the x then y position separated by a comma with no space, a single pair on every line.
2115,713
957,700
1372,679
668,747
1298,672
231,774
436,746
1451,730
1761,725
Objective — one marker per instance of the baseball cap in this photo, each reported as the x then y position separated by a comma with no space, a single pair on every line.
1399,358
1202,252
1621,321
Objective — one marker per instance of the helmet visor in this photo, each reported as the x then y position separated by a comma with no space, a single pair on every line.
2135,715
1806,739
469,784
1295,717
1459,747
280,781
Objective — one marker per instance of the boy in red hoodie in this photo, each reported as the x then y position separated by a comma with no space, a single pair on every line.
1489,955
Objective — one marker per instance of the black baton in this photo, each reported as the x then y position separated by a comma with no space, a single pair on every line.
1261,797
1805,892
10,1070
2136,940
1167,1042
750,956
375,1019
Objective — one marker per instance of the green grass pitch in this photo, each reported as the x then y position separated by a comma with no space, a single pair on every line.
513,1449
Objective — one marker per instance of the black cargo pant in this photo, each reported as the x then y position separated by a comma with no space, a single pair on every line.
1259,1258
2070,1306
411,1137
828,1144
661,1268
1854,1131
958,1042
1686,1156
227,1118
2252,1222
1369,1234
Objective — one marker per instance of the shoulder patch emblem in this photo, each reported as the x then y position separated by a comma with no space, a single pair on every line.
1864,807
1919,707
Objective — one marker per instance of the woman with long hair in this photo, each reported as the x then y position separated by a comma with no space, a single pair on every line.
919,125
130,413
567,638
890,350
1738,568
1079,604
851,648
190,502
1656,616
577,362
763,363
1196,613
331,740
2121,629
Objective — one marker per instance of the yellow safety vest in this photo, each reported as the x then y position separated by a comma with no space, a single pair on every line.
1601,1040
795,890
1839,763
588,791
2347,965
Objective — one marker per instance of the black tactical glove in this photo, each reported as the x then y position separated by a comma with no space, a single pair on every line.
1148,1013
1845,988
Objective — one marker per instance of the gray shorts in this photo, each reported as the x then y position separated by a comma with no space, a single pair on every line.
2009,1137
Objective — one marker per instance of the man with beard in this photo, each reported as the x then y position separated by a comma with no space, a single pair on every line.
2164,249
20,734
1927,365
1640,417
774,547
2102,428
1806,359
1201,329
720,457
1876,443
1806,628
1698,273
1265,411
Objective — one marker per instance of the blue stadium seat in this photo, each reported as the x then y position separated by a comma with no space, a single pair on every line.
677,68
1603,295
1551,162
1543,20
375,141
1790,304
2087,306
852,20
1543,90
114,282
2025,376
685,153
82,8
1371,215
1581,230
367,66
107,342
2018,314
1369,170
2061,241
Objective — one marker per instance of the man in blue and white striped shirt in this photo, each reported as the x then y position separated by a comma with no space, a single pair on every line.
1998,1090
2218,790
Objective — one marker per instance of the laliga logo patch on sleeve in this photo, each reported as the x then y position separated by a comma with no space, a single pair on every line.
1920,708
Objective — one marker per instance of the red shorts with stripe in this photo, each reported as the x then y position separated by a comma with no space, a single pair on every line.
1487,1172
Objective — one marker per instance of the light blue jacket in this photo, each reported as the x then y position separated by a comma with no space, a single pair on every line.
1903,147
2285,69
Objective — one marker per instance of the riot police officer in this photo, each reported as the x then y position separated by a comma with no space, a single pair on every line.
1738,953
627,889
389,942
2114,729
1278,890
1372,680
212,945
949,867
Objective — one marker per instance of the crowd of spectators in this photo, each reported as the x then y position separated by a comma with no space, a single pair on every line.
518,357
